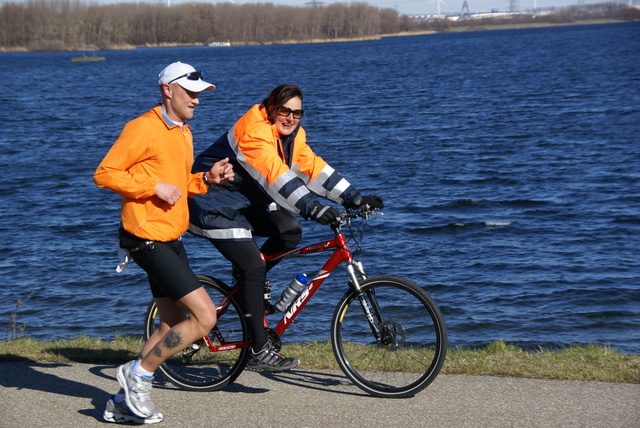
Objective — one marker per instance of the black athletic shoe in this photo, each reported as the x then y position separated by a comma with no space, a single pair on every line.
270,360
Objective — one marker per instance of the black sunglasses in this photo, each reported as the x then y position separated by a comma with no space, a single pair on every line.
286,111
194,75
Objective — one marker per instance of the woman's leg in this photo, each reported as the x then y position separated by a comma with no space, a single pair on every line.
251,275
282,230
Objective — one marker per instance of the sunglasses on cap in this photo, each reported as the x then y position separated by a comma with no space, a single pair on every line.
286,111
194,75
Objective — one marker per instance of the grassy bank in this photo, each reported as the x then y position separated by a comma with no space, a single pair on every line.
586,363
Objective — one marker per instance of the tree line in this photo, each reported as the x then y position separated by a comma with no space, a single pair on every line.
73,24
54,25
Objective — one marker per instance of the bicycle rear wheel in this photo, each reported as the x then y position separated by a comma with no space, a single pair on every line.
410,349
196,368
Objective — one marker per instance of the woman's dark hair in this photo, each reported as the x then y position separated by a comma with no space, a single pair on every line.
279,97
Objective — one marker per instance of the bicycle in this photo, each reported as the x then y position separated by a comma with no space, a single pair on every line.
387,334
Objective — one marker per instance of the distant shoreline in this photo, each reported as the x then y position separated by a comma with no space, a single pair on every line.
357,39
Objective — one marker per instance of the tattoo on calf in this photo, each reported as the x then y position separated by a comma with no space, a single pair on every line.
157,351
172,340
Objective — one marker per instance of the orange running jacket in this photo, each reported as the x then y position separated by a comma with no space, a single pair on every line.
147,151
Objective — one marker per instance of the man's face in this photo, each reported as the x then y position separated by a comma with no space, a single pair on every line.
180,104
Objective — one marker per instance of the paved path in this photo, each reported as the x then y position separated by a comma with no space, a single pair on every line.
73,395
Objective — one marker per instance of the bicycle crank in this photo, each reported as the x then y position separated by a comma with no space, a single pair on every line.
274,339
191,350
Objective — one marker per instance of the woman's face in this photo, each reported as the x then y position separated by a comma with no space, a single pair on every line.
287,124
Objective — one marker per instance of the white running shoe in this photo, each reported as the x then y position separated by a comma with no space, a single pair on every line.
120,413
137,390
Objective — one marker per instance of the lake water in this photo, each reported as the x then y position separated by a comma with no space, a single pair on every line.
509,162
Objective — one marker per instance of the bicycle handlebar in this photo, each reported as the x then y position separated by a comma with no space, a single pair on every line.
350,213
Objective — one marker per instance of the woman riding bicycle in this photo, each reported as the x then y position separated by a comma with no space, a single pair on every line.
277,175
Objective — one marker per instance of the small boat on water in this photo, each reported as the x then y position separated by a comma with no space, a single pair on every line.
222,43
85,57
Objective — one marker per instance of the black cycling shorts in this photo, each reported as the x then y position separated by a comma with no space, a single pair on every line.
168,269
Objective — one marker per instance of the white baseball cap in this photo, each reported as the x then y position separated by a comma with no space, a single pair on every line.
185,76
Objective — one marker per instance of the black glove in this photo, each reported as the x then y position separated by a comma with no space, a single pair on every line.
372,200
324,214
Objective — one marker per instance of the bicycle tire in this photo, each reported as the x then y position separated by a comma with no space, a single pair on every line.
412,350
206,370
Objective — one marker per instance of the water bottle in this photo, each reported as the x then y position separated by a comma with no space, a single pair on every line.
288,295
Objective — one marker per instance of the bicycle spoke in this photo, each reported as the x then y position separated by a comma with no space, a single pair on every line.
410,350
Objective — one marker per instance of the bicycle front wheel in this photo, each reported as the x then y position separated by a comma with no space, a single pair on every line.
392,341
197,368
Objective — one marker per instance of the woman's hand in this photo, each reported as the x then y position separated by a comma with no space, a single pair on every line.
221,172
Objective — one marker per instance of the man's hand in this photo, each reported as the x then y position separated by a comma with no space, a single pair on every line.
168,192
221,172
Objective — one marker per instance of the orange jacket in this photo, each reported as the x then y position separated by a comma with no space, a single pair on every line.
263,173
259,141
147,151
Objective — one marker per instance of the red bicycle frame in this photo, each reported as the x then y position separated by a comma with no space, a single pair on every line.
342,253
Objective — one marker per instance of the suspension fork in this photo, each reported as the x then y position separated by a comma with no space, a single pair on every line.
367,299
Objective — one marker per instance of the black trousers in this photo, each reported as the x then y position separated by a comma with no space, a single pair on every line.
283,232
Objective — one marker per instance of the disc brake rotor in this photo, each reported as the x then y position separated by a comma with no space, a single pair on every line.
393,335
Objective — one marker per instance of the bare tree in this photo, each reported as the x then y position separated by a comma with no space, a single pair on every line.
75,24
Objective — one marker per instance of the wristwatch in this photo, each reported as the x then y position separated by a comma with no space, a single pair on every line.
204,178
